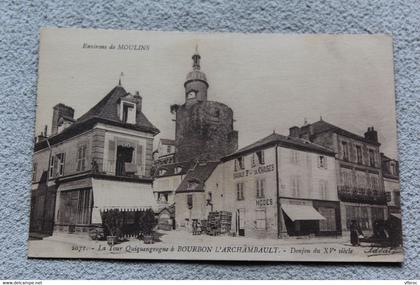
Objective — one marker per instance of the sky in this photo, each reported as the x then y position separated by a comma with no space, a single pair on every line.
272,82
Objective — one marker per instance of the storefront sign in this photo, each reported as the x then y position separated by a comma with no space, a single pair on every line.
255,171
264,202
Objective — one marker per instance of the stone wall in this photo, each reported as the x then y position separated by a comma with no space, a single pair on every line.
204,130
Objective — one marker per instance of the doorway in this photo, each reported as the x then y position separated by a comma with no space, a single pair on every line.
124,155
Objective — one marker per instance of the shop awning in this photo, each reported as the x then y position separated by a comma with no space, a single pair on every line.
124,196
301,212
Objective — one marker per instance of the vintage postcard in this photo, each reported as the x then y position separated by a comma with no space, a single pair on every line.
215,146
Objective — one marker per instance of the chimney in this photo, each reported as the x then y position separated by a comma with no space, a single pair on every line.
371,134
139,100
294,131
41,137
59,111
306,132
45,131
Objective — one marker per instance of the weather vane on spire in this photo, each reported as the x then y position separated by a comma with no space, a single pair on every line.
119,80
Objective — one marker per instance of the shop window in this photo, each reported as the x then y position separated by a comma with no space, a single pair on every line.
260,188
168,149
329,224
260,219
359,214
364,218
377,214
240,191
322,162
75,207
190,201
359,156
81,158
345,148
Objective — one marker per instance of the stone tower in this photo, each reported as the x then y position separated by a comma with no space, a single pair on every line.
204,129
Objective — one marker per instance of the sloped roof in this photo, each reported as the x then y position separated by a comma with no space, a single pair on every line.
198,175
323,126
285,141
105,111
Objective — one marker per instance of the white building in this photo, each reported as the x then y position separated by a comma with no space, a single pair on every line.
278,186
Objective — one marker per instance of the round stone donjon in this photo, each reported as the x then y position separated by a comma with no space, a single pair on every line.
204,131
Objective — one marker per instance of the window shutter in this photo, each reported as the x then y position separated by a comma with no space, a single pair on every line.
139,155
111,150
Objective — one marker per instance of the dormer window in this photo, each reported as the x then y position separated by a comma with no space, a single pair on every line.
127,112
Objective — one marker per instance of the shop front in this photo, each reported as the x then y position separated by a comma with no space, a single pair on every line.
310,217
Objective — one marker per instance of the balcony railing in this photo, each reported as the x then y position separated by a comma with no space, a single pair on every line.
127,169
361,195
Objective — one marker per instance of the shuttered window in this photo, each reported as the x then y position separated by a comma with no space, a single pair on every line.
260,188
81,158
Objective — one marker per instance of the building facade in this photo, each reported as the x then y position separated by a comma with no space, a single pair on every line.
275,188
280,187
391,176
359,172
100,161
165,152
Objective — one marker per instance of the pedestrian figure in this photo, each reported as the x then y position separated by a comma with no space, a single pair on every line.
355,231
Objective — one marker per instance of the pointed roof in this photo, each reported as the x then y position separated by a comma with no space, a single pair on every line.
323,126
105,111
197,175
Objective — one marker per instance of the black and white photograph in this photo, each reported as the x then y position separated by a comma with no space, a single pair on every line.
215,146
